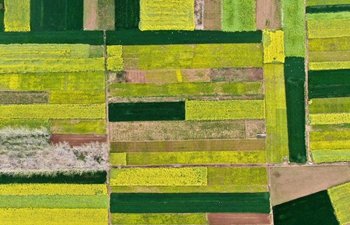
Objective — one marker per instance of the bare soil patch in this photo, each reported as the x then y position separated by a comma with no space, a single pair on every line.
212,15
135,76
288,183
236,75
77,139
90,14
255,128
238,218
268,14
198,13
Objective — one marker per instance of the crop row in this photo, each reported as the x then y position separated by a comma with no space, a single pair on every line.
331,155
273,42
324,145
238,15
328,28
329,118
340,198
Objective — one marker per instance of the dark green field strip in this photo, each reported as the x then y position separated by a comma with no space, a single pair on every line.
295,81
188,145
148,111
98,177
23,97
56,15
53,37
2,13
189,203
329,83
313,209
127,14
127,37
328,8
54,201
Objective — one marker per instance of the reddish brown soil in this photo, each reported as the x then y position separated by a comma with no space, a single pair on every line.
212,15
288,183
90,10
238,218
268,14
135,76
77,139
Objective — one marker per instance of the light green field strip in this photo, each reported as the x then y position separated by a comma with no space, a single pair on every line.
17,15
328,16
334,56
77,97
115,60
29,123
329,105
159,218
329,65
54,201
328,28
293,25
51,65
220,179
322,156
276,113
324,145
78,126
225,110
329,44
185,89
238,15
329,118
196,176
53,189
44,51
38,216
330,136
326,2
53,111
53,81
340,198
166,15
219,157
199,56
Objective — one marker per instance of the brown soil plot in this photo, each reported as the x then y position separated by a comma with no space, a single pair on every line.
268,14
238,218
212,15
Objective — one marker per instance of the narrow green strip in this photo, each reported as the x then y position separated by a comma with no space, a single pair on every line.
239,15
2,13
322,156
127,37
328,16
328,8
326,2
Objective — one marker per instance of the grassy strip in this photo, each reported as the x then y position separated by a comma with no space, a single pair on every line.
294,83
43,51
225,110
126,37
276,113
293,25
28,216
311,209
53,189
327,57
322,156
339,196
53,81
166,15
17,97
106,12
54,201
81,97
324,145
196,176
330,135
329,105
273,42
329,44
149,111
188,145
78,126
53,37
329,65
330,128
51,65
53,111
189,203
27,123
329,118
328,16
326,2
327,8
194,57
97,177
159,218
178,130
238,15
219,157
185,89
328,28
15,21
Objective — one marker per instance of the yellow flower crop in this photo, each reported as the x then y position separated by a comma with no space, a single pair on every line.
17,15
159,218
322,145
273,42
329,65
329,118
340,198
115,60
117,159
196,176
328,28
